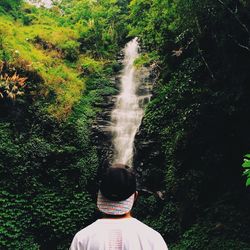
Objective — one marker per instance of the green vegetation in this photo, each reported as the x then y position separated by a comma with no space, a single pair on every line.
246,166
51,78
197,121
146,59
55,68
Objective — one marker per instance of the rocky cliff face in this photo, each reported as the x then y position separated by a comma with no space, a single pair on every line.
148,161
101,133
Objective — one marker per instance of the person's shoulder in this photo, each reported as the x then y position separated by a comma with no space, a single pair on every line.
151,234
85,232
144,227
82,237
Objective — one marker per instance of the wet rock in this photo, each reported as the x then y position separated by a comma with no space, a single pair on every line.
149,161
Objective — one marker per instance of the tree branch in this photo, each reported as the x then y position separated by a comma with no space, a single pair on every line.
235,16
200,51
206,64
239,44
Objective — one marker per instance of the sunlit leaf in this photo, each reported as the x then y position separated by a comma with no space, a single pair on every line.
247,155
246,164
248,182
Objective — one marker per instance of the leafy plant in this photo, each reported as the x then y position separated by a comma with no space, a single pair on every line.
70,50
12,86
48,162
246,166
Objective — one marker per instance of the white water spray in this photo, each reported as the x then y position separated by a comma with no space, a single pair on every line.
127,115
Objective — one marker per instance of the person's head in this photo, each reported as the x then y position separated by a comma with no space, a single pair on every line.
117,191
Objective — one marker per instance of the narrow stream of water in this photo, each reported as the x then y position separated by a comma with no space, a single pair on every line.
127,115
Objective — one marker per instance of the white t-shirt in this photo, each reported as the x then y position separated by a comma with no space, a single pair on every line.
118,234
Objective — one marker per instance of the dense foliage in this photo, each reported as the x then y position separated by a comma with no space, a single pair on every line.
55,67
196,124
52,73
246,166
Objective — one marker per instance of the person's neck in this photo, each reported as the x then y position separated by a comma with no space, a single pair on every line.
123,216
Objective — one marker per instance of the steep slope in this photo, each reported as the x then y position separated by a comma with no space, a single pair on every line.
191,144
54,71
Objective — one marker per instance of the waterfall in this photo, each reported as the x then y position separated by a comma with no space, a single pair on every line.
129,107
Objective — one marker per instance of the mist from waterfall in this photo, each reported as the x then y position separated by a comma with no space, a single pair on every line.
129,108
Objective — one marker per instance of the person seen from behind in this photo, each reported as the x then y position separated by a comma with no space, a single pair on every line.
117,230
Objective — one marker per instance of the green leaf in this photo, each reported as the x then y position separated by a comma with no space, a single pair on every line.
247,155
246,172
246,164
248,182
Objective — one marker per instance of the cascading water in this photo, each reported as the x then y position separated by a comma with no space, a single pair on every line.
129,109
